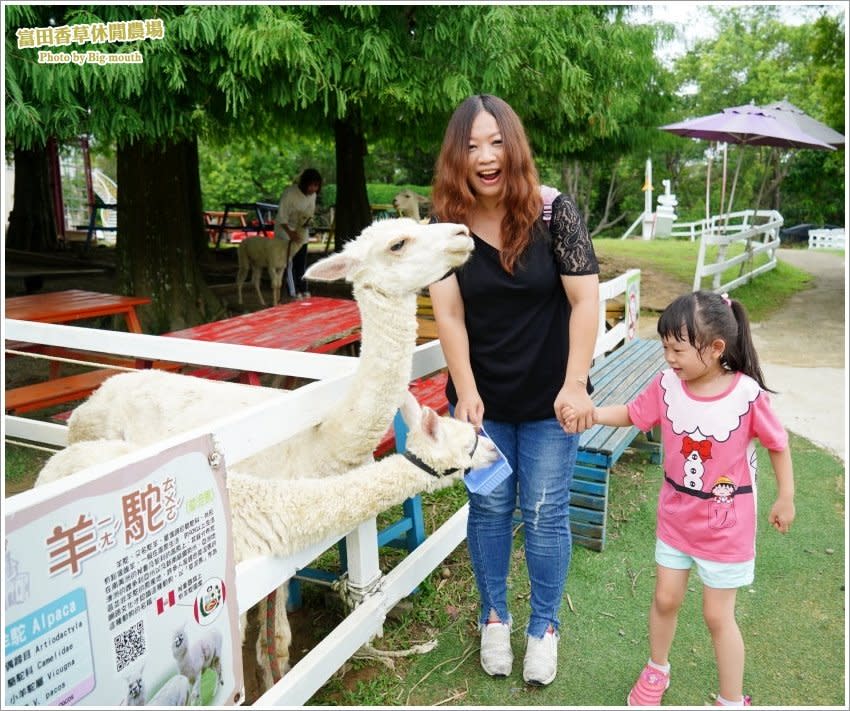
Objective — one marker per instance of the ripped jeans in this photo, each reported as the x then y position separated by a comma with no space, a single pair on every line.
543,457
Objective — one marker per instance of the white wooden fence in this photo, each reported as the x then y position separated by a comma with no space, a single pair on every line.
757,229
247,432
827,239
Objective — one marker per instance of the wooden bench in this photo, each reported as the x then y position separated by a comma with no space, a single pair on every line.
426,325
56,391
617,377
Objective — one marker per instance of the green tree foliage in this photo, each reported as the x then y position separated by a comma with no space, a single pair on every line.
756,57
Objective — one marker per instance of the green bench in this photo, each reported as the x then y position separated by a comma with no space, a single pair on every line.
617,377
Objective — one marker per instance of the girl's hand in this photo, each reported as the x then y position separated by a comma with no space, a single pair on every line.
782,515
470,408
574,400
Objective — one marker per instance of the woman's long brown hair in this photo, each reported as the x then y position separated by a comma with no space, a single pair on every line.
453,200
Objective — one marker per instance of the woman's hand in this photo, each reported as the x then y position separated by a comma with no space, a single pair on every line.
574,408
470,408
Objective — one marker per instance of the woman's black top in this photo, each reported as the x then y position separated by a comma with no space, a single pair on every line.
518,323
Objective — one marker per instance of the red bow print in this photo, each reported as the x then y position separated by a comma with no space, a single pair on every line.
702,446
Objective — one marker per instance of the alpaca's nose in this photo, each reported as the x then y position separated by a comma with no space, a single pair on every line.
462,231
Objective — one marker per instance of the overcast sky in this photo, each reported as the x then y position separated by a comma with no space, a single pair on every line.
693,23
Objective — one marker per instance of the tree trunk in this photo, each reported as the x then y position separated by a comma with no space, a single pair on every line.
352,201
32,224
161,240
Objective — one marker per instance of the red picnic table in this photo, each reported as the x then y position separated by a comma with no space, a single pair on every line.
318,324
75,305
63,307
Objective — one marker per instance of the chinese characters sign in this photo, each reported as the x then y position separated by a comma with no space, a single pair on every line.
95,33
113,584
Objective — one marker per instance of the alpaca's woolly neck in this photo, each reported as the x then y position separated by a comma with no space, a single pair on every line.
388,337
353,428
281,516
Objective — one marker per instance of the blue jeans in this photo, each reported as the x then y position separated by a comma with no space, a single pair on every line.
543,457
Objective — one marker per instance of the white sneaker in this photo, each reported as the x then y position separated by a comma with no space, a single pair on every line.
497,657
541,659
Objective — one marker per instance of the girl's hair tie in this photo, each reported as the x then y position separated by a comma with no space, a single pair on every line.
726,299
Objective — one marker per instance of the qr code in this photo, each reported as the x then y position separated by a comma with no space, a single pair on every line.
129,645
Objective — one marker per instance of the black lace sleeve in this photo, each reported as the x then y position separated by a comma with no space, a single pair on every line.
570,240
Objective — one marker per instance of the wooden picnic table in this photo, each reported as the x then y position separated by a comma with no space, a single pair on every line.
63,307
75,305
317,324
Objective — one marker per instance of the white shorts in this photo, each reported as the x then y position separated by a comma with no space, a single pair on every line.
714,574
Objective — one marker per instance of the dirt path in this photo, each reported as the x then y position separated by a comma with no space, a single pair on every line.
803,352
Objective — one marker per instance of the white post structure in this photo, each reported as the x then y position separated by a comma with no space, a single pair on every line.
648,217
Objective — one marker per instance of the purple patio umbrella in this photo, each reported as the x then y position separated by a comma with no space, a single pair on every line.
789,114
748,125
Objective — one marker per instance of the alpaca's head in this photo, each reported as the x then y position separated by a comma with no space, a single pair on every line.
397,256
444,443
407,203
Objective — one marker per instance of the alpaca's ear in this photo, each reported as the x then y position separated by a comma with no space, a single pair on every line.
430,422
411,413
337,266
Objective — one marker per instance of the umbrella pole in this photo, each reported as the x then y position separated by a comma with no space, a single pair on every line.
723,184
735,180
708,191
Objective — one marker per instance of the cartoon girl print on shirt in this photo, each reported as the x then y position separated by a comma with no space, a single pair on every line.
721,509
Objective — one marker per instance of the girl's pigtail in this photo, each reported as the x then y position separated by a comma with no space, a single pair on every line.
745,351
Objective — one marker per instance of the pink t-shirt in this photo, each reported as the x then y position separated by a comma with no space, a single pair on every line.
706,507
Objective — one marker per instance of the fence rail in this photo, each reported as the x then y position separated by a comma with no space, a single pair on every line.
758,230
827,239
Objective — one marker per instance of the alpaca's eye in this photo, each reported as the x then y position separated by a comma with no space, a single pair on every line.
397,245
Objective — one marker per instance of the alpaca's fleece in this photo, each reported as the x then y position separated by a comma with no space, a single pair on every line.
174,692
81,455
258,253
147,406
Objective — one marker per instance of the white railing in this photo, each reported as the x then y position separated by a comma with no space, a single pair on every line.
618,298
827,239
757,229
247,432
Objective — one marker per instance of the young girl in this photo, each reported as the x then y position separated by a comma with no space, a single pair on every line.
710,403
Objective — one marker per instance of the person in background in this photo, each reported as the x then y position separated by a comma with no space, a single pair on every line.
517,324
296,208
711,404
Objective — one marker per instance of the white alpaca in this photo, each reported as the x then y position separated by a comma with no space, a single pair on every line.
388,264
407,204
280,517
174,692
194,657
258,253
